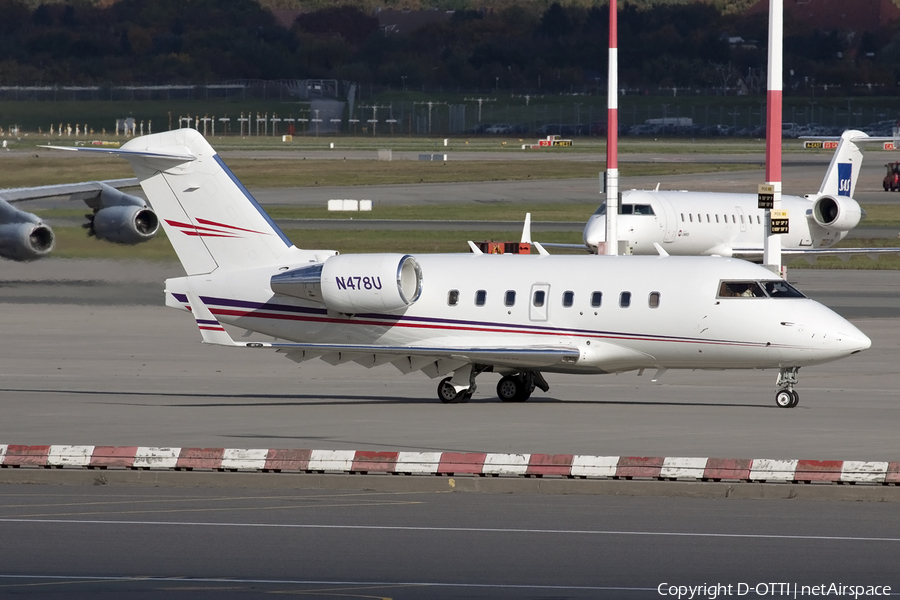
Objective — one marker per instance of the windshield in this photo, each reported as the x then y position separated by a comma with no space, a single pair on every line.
777,288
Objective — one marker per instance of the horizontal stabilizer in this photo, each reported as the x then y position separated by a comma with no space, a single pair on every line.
210,328
173,156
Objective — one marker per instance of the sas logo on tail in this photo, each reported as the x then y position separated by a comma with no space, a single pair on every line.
844,172
207,228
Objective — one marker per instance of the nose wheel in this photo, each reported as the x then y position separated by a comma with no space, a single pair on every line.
787,396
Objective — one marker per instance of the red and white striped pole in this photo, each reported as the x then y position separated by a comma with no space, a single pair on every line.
772,245
612,137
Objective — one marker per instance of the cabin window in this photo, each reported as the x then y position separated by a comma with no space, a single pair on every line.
539,298
568,299
699,218
707,218
653,301
625,299
510,298
596,299
717,218
691,217
682,217
480,297
453,297
733,219
742,219
758,222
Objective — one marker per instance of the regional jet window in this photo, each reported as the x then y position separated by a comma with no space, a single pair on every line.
596,299
691,217
733,219
741,289
568,299
781,289
539,297
480,297
453,297
626,209
654,300
625,299
643,209
510,298
601,210
682,217
758,222
707,218
717,218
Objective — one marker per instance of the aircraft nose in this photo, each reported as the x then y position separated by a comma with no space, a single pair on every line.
595,231
855,341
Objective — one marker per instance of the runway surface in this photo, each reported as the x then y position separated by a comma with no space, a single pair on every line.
91,542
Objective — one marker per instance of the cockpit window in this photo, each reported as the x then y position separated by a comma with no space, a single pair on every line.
782,289
777,288
741,289
636,209
601,210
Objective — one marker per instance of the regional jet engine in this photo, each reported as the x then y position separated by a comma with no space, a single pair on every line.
357,283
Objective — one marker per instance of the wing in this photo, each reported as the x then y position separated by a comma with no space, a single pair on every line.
811,254
434,361
84,190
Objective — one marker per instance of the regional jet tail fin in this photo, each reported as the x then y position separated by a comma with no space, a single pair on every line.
210,218
840,178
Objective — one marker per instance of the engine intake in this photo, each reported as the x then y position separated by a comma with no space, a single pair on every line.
836,214
355,283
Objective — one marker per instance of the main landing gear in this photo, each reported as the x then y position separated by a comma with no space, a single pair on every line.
516,387
787,396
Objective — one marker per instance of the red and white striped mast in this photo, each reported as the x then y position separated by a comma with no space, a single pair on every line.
612,137
772,245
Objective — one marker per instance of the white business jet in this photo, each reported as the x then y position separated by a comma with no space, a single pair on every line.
731,224
456,316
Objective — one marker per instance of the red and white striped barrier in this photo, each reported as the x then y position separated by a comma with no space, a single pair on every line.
450,463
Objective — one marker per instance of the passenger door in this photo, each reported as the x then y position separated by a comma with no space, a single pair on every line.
539,302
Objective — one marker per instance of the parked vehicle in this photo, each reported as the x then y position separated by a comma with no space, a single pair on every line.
891,181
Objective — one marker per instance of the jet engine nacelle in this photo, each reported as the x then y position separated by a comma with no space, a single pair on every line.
836,214
25,241
356,283
124,224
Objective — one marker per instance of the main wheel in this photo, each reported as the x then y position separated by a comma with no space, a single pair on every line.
786,398
512,388
447,393
796,399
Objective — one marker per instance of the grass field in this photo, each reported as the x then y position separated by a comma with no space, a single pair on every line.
73,243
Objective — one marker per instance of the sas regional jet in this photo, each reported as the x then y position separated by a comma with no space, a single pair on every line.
731,224
117,217
456,317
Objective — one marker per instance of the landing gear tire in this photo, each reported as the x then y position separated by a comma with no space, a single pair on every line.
514,388
448,395
787,398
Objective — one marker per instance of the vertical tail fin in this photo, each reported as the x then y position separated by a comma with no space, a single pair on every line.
840,179
210,218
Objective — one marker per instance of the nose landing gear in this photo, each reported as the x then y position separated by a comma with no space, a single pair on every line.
786,396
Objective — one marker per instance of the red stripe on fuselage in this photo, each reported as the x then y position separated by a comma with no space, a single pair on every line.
485,329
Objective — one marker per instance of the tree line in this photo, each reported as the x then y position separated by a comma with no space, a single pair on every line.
515,48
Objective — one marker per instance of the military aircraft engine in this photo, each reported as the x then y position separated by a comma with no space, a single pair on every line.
123,224
356,283
25,241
